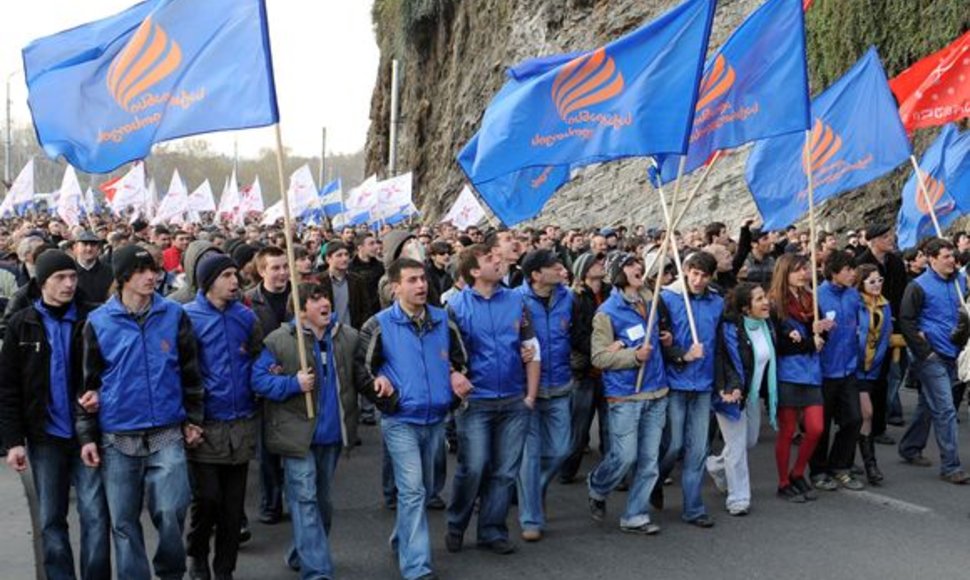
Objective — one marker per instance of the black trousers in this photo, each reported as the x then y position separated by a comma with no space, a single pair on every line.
878,394
218,493
841,405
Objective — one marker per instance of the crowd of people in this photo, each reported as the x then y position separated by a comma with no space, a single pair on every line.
149,366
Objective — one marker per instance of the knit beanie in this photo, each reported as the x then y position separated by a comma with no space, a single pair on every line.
51,261
210,267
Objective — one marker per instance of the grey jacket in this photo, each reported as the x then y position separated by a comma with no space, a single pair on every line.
196,249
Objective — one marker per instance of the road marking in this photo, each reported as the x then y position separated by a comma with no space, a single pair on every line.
890,502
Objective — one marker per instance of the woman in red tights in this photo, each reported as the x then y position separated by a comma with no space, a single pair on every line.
799,373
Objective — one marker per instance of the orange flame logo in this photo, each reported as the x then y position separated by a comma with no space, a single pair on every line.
716,82
150,56
934,190
585,81
824,144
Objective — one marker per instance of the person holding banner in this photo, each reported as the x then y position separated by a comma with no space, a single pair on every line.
799,373
621,344
928,318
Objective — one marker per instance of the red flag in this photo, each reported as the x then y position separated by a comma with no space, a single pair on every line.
806,4
109,188
935,90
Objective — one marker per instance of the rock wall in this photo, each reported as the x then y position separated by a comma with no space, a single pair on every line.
453,55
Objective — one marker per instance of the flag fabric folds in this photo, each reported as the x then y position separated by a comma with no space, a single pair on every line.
856,137
946,173
128,190
935,90
175,203
466,210
21,192
392,195
754,87
331,198
201,199
632,97
68,206
102,93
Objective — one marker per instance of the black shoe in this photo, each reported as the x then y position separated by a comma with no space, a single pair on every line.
391,503
270,518
791,494
657,497
704,521
245,535
500,547
431,576
917,460
802,486
883,439
223,575
368,420
453,541
199,569
597,509
896,421
436,503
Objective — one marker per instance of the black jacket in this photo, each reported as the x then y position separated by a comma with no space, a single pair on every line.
438,279
95,282
894,277
25,374
268,320
24,297
581,329
363,302
726,378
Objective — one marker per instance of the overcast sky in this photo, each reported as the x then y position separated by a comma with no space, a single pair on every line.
313,42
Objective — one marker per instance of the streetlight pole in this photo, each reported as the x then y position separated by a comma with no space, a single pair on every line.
7,136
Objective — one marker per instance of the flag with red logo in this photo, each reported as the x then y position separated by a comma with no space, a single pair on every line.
935,90
856,137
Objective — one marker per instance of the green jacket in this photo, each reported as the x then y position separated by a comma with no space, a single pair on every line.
287,429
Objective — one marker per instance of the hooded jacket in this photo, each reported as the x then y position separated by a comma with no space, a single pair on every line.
193,253
393,242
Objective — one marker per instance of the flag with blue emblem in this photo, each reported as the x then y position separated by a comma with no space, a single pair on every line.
754,87
103,93
856,137
946,175
632,97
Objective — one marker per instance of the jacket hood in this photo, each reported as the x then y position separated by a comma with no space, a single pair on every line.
393,243
192,254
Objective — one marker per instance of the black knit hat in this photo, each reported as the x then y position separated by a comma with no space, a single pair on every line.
537,260
51,261
130,259
210,267
584,262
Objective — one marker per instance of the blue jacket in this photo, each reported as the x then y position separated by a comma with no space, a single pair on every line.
708,308
840,355
141,383
225,341
799,362
417,363
939,314
629,327
552,330
882,345
490,329
59,332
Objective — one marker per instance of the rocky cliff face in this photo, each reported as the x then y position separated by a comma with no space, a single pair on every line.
453,56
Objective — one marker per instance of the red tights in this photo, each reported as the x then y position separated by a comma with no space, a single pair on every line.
787,421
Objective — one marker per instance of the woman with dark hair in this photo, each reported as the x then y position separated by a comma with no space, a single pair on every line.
745,368
875,327
799,372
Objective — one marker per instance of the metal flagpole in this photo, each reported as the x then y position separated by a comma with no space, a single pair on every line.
323,156
291,264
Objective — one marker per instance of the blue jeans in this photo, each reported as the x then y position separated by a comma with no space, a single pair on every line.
162,480
937,377
689,417
56,467
636,428
307,483
491,434
388,486
547,443
412,448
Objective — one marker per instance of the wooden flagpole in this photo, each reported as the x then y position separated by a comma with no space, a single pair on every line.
680,267
662,255
921,185
807,159
291,264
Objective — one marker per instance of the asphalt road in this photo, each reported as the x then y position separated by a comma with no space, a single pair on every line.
913,526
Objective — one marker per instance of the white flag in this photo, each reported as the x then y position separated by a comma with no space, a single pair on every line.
393,194
201,199
250,200
174,204
69,198
274,213
302,192
22,190
363,197
229,202
466,211
89,203
130,190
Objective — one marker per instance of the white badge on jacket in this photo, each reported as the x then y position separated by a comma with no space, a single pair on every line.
635,333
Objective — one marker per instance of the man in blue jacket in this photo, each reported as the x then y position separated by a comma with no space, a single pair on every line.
495,326
548,435
141,362
839,301
40,376
690,373
928,317
410,362
229,339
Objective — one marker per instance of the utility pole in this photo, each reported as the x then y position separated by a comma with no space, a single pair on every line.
392,148
323,158
7,142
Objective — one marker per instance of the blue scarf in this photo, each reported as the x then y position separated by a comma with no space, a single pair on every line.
753,326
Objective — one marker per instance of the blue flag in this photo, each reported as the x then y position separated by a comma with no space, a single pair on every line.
102,93
946,173
856,137
755,87
632,97
331,198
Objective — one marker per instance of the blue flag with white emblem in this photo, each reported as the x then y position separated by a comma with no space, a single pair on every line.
946,174
754,87
856,137
102,93
632,97
331,198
